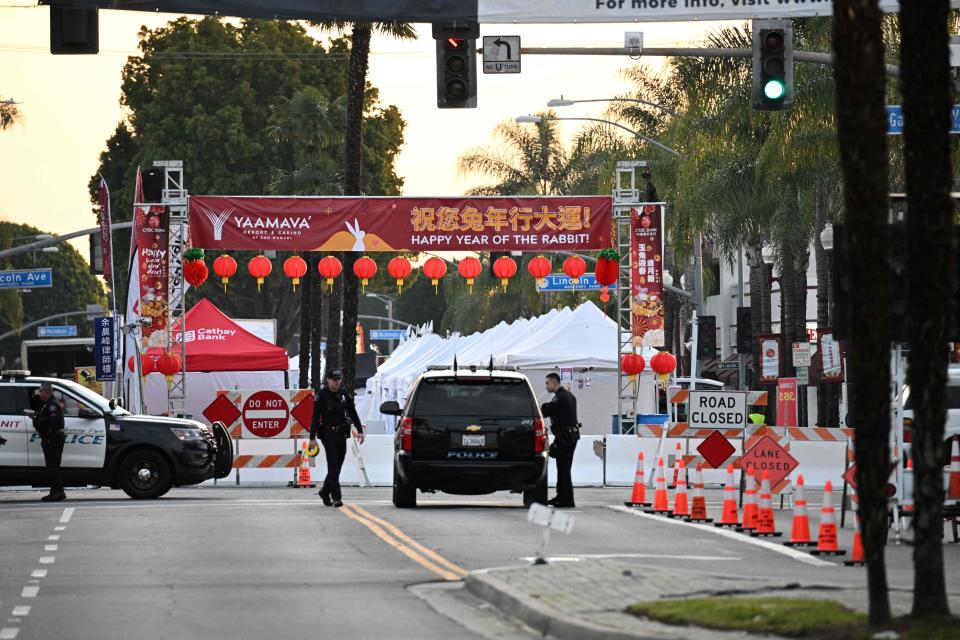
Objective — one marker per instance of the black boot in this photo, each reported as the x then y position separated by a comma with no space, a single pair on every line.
324,494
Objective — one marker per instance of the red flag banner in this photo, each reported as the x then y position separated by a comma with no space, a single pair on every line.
646,275
106,242
401,224
150,226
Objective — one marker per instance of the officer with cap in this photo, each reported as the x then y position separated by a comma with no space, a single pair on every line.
48,422
562,411
332,408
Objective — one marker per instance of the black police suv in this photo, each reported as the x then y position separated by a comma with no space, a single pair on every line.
105,444
469,431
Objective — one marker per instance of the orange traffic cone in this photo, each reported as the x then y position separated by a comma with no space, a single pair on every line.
953,487
766,526
681,507
730,518
749,503
699,511
908,494
857,558
677,461
639,496
661,502
800,532
303,471
827,539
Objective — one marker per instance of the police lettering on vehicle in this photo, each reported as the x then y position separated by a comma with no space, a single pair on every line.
471,455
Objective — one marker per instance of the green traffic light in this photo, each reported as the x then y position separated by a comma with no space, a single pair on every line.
774,89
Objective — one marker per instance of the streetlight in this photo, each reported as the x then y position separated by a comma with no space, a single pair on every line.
564,102
826,237
539,119
387,300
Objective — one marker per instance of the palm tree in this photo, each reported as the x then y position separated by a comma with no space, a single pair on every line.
9,114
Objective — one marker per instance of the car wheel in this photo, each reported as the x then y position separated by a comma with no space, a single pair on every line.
145,474
404,495
537,494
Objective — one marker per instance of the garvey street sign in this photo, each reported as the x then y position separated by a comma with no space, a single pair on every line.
57,331
712,409
895,120
768,455
562,282
501,54
26,279
387,334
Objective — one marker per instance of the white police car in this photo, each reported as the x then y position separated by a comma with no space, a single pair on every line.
105,444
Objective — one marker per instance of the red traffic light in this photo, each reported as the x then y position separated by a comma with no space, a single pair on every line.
455,43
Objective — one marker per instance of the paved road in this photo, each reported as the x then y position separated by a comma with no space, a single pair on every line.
255,563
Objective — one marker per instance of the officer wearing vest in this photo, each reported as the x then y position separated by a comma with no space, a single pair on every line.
48,422
562,411
333,409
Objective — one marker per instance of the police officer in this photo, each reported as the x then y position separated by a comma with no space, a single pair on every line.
332,407
562,411
48,422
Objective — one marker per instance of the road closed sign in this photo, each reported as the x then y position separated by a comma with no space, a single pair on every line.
266,415
712,409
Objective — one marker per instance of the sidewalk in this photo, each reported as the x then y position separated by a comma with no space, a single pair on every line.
585,600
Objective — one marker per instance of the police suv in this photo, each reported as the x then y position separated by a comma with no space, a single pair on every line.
106,445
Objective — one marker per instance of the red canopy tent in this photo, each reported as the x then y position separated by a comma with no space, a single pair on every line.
214,342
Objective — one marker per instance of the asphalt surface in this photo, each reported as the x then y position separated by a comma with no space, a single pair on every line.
256,563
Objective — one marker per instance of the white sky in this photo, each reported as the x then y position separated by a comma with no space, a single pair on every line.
71,104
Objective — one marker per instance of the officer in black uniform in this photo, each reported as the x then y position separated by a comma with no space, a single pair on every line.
48,422
332,407
562,411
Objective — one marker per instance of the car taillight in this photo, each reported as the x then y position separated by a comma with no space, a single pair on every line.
406,434
539,435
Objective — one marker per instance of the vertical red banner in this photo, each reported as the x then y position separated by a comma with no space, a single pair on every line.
787,402
150,224
106,242
646,275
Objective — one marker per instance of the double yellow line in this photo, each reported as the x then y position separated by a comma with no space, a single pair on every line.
426,558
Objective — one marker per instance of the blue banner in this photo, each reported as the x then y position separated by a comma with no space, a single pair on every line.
104,347
563,282
895,120
388,334
26,279
57,331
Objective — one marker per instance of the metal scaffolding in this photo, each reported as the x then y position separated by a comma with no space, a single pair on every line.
175,199
626,196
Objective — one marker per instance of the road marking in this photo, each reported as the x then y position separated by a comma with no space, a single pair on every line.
733,535
39,573
59,528
50,547
53,538
406,550
30,592
611,556
67,514
47,559
21,611
9,633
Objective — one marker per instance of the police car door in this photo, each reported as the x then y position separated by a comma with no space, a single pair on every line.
85,445
15,430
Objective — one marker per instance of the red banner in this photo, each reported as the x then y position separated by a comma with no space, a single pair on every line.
787,402
106,242
646,275
153,255
401,224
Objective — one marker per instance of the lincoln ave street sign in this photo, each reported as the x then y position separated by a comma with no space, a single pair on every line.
26,279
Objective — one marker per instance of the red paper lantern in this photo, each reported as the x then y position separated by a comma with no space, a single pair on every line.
329,268
295,268
147,365
169,364
399,268
504,268
539,268
469,268
664,363
225,267
574,266
632,364
364,268
195,272
435,269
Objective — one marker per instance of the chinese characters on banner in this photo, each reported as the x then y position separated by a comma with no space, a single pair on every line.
646,275
769,358
787,402
106,241
104,347
574,223
150,225
831,357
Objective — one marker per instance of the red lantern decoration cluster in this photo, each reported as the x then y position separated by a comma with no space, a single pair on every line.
399,268
504,268
329,268
148,364
435,268
195,270
225,267
260,267
364,268
469,269
295,268
574,266
664,363
607,271
169,364
632,364
540,268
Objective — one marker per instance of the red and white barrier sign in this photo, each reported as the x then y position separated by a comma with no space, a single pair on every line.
266,415
263,413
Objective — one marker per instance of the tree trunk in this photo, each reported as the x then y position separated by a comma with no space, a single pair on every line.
353,158
316,329
758,274
306,319
860,79
823,294
927,103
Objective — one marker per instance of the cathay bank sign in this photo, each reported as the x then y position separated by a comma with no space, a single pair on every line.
208,333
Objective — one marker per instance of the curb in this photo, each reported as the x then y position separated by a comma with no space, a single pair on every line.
543,619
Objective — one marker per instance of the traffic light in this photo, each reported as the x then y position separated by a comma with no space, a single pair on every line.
772,65
456,65
706,337
73,31
744,330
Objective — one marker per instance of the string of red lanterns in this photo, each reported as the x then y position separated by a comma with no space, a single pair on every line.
295,268
435,268
259,267
399,268
329,268
364,268
469,269
504,268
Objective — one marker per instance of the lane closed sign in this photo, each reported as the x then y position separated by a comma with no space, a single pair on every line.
712,409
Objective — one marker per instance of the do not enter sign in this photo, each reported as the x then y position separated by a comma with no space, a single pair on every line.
266,415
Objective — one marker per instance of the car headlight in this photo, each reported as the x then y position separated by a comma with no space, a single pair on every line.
188,435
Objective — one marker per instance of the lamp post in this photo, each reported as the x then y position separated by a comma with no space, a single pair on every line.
565,102
387,300
539,119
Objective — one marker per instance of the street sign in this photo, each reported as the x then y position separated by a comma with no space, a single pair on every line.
728,364
104,347
716,449
26,279
266,415
895,120
501,54
787,402
768,455
850,475
303,412
803,376
57,331
563,282
221,410
388,334
712,409
801,354
550,518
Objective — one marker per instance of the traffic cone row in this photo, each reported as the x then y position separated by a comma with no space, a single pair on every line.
698,513
827,538
749,503
800,531
639,496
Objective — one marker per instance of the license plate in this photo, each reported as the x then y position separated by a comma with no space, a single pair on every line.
474,441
